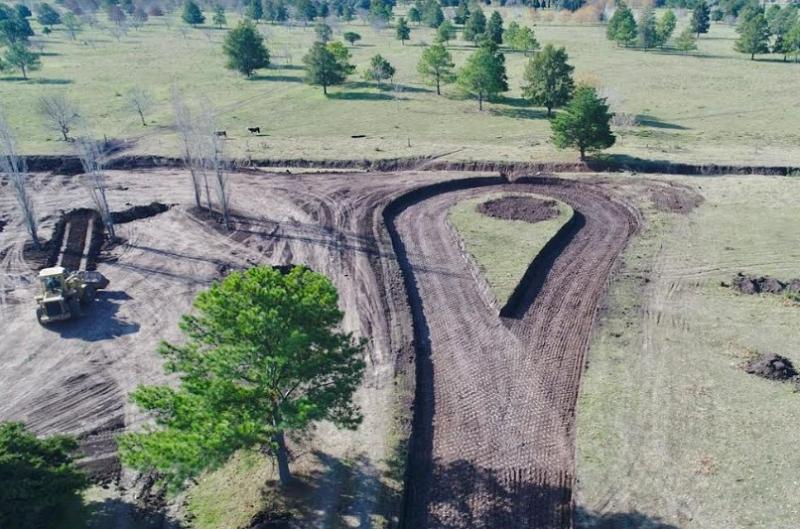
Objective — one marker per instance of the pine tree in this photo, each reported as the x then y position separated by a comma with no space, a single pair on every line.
648,33
323,31
414,15
403,32
254,10
324,68
475,27
484,74
753,34
432,15
665,27
584,124
436,65
462,13
446,32
701,18
19,56
219,19
245,50
549,78
494,28
622,26
191,13
379,69
686,41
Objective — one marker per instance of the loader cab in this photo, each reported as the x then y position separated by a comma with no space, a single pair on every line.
55,302
52,282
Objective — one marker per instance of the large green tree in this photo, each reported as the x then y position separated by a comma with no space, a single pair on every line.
432,14
264,355
219,18
475,26
647,29
379,69
38,478
494,28
753,33
484,74
521,38
244,49
701,18
324,67
323,31
20,57
191,13
446,32
403,32
665,27
13,26
548,78
622,26
254,10
436,66
584,124
47,15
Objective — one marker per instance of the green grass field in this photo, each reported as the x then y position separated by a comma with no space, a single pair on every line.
503,249
669,424
715,106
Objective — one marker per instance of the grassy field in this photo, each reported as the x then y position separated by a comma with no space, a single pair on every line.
503,249
669,425
714,106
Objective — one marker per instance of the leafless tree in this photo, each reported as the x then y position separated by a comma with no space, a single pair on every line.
140,101
184,124
89,152
13,164
220,166
59,113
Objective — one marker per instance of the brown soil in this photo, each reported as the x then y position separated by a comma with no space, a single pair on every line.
138,212
528,209
772,367
747,284
675,199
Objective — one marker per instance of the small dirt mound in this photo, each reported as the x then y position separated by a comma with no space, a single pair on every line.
138,212
528,209
772,367
767,285
675,199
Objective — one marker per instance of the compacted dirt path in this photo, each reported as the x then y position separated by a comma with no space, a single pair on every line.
495,406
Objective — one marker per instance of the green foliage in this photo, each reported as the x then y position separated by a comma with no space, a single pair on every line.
462,13
781,22
263,355
414,15
584,124
13,26
665,27
352,37
432,14
244,49
484,74
436,66
521,38
475,26
326,65
548,78
647,31
494,28
700,22
446,32
379,69
622,26
753,34
219,18
20,57
323,32
72,24
403,32
23,11
686,41
47,15
254,10
380,10
38,478
191,13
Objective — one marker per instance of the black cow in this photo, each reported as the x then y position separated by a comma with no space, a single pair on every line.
221,133
254,130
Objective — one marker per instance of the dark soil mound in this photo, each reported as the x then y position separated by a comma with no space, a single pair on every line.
793,287
767,285
528,209
138,212
771,366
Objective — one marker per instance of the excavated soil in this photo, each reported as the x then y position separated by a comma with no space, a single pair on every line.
492,442
675,199
528,209
747,284
771,366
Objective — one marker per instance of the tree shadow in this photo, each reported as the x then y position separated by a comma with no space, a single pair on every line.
114,512
519,113
34,80
651,121
98,320
360,96
278,77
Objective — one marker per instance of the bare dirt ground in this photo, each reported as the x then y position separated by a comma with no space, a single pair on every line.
493,444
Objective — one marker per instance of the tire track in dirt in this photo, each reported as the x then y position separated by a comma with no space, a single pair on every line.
493,442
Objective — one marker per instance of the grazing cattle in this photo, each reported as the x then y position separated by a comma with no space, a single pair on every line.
254,130
221,133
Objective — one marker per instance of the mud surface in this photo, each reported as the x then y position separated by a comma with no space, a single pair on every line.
494,398
772,366
528,209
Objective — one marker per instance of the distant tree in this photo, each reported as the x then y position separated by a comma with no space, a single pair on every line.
191,13
140,101
494,28
380,11
117,15
305,10
244,49
792,41
127,6
622,26
462,13
72,25
40,481
446,32
686,41
351,37
584,124
548,78
484,74
700,21
23,11
403,32
324,68
13,27
753,34
139,16
323,31
475,27
254,10
781,22
433,16
47,15
379,69
264,356
20,57
414,15
521,38
665,27
219,18
436,66
281,12
647,29
155,11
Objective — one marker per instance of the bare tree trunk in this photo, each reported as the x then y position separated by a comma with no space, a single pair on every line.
92,166
282,455
223,197
13,164
183,122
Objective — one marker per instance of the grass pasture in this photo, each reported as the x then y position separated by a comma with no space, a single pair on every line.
669,424
712,107
503,249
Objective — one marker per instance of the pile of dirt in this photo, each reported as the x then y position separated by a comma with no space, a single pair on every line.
528,209
675,199
747,284
138,212
772,366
